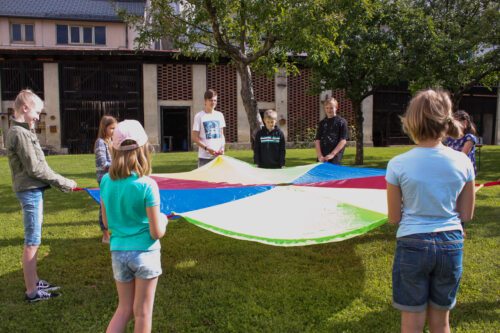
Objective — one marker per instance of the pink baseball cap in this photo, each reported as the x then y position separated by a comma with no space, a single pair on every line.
129,130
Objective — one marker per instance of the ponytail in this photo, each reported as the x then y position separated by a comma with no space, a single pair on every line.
454,129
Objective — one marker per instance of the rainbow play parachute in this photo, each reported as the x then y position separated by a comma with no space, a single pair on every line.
295,206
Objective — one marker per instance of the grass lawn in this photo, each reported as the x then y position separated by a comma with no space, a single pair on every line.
211,283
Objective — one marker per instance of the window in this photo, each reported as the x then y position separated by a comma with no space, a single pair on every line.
80,35
22,33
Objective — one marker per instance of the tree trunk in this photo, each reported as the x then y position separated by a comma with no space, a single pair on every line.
248,97
358,113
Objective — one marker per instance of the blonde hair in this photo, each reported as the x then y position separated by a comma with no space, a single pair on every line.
124,162
271,114
331,100
28,98
429,116
106,120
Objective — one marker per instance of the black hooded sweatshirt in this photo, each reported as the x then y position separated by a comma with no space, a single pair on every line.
269,148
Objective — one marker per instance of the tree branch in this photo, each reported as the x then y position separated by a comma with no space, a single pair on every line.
219,38
268,45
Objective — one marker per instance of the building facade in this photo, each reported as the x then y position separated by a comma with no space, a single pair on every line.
80,57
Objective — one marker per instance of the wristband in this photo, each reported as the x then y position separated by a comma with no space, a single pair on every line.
206,148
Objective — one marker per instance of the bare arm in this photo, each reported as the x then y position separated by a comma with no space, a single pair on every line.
104,217
467,147
157,222
466,201
318,151
394,200
195,135
336,150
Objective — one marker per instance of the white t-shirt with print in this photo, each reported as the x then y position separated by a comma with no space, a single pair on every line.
210,126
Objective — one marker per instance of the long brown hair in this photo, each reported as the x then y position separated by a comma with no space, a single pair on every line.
461,115
429,116
124,162
106,120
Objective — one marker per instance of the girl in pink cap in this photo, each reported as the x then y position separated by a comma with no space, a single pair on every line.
130,203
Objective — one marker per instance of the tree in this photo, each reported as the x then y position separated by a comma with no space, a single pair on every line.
452,44
256,35
368,57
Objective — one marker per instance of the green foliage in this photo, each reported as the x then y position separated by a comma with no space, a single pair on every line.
368,56
257,33
306,138
211,283
369,52
450,44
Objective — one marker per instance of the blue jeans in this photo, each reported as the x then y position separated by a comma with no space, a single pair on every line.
427,271
130,265
32,206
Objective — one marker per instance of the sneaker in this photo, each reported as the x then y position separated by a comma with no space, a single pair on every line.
40,295
45,286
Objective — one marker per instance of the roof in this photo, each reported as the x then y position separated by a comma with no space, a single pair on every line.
80,10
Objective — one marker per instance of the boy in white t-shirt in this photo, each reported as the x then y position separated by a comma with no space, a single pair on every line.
208,130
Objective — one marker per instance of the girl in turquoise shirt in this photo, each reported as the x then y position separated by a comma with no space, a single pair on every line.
130,203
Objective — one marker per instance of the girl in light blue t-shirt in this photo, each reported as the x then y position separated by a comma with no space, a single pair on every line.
430,194
130,202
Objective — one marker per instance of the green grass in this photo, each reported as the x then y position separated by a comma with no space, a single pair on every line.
212,283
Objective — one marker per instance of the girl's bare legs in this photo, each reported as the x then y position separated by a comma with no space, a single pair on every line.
143,304
124,311
29,268
439,320
412,322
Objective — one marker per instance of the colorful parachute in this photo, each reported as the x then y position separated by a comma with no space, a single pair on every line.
295,206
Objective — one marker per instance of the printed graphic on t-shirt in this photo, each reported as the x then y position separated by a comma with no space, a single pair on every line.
212,129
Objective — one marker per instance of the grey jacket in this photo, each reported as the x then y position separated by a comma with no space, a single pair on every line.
27,161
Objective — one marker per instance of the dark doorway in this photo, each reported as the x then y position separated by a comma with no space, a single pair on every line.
90,90
175,134
389,103
482,110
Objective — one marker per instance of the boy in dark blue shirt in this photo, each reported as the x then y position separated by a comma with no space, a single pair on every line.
269,147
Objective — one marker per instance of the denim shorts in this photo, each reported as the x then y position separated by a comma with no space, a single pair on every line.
427,271
130,265
32,206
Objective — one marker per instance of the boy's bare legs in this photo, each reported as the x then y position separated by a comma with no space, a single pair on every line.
439,320
124,311
143,304
29,268
412,322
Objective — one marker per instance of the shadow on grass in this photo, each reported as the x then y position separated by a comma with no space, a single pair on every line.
54,200
82,267
8,200
48,225
209,283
